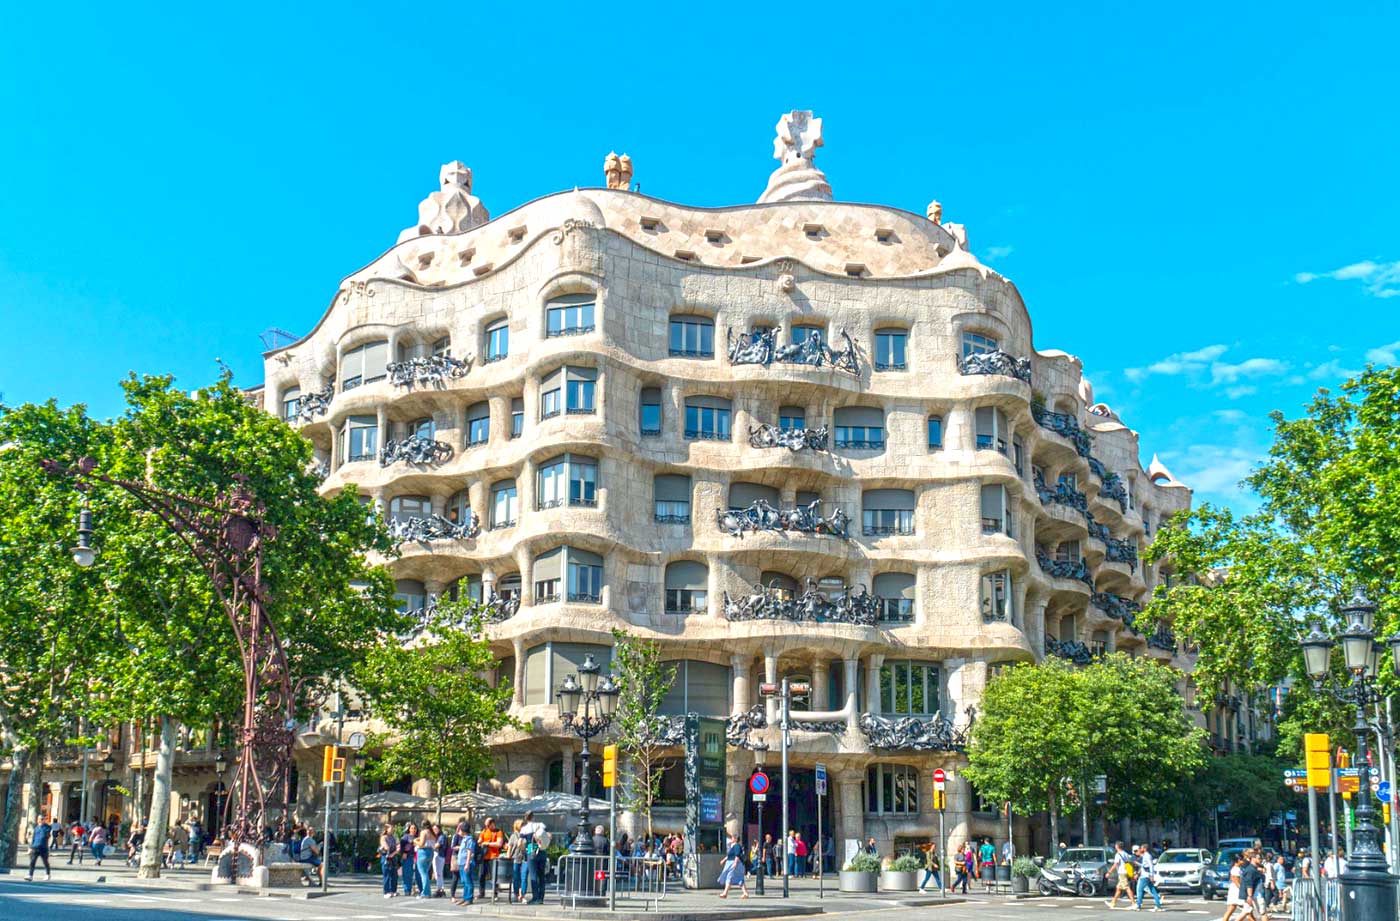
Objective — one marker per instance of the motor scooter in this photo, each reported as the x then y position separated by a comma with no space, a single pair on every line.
1065,881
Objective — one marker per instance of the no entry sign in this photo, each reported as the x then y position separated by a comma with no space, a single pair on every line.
939,776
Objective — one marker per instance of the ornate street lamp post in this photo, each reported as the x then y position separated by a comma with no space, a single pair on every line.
577,696
1368,888
226,535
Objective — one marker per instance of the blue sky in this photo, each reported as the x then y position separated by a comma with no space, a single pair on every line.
1198,200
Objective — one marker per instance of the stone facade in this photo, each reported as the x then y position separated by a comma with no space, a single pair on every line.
995,510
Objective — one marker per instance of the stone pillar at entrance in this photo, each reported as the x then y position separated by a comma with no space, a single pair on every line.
849,821
59,811
852,666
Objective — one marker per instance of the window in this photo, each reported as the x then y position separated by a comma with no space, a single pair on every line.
552,395
887,511
687,587
404,508
442,347
364,364
978,344
892,789
1018,456
997,517
996,596
410,595
517,417
548,664
791,418
909,688
459,508
579,389
1068,480
935,432
548,575
707,418
291,403
478,424
585,576
1067,551
692,337
360,438
571,315
992,431
890,347
801,334
497,340
672,498
505,504
697,687
424,428
860,427
783,585
894,593
743,495
649,414
570,479
509,587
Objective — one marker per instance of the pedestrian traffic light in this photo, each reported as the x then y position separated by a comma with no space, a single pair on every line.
609,765
338,770
331,764
1317,749
940,800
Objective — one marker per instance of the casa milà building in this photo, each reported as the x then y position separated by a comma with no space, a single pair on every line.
799,438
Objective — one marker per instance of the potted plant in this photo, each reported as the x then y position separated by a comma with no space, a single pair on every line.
1023,870
860,874
902,875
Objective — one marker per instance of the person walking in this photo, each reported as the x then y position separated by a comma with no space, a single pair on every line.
768,847
389,860
408,846
799,847
77,841
454,851
1122,868
39,848
732,873
1252,886
931,867
98,838
491,840
1234,892
1147,878
966,861
1281,887
196,841
424,846
536,838
987,860
467,864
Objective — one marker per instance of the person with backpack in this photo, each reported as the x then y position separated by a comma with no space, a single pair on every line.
1122,867
1147,878
537,839
389,860
467,868
931,867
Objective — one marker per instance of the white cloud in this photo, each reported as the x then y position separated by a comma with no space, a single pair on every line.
1225,373
1243,390
1195,364
999,252
1215,469
1384,354
1382,279
1180,363
1332,371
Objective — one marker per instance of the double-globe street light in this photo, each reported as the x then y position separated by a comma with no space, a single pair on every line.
1368,888
580,694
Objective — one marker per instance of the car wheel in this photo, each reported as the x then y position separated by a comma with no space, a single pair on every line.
1208,893
1085,888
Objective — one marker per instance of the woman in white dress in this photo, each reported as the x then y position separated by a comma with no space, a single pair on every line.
1234,896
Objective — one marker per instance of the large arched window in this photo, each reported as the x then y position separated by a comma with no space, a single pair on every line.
978,344
692,337
364,364
497,340
892,789
698,687
291,403
784,585
570,315
687,587
894,592
860,427
404,508
887,511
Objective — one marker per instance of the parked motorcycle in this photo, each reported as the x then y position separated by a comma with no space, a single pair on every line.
1065,881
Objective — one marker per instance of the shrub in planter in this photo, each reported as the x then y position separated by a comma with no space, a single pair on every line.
860,874
1023,870
902,875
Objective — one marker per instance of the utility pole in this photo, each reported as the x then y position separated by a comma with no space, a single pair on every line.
784,692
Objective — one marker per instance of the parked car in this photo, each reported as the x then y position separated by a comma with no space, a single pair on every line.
1215,879
1225,844
1091,862
1182,869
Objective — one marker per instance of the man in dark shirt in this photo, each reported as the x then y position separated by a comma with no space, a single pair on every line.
39,848
1252,885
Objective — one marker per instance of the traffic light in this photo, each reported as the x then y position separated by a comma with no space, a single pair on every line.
1317,748
332,766
609,765
940,800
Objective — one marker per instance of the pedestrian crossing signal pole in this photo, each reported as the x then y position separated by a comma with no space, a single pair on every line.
332,773
1317,749
610,782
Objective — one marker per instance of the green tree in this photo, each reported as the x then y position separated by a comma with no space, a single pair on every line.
1251,784
433,696
640,730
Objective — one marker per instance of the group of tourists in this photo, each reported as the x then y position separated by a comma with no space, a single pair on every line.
185,843
433,863
1135,868
977,860
792,856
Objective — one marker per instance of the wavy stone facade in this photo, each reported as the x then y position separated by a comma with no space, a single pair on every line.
992,513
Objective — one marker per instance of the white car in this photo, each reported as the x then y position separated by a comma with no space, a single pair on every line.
1181,869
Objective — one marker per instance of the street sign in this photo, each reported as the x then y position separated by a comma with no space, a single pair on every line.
821,779
1383,790
758,783
1296,779
760,797
1348,780
939,776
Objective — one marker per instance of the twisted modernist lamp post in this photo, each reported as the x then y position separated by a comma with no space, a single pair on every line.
577,696
1368,888
226,535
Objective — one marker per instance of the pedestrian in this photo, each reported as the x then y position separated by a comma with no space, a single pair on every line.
515,853
39,848
790,852
871,849
454,848
1060,853
768,854
309,853
1122,868
536,839
800,852
134,842
467,864
196,841
408,848
389,860
732,873
442,852
491,840
600,841
77,841
987,858
1147,878
99,843
931,867
180,840
1252,885
424,847
1270,888
963,868
1234,892
1281,887
1305,864
828,854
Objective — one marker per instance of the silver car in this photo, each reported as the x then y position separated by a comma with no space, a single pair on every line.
1182,869
1091,862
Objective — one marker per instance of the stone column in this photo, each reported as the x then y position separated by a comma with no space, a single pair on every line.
518,690
770,675
821,684
382,421
60,802
741,666
849,821
852,675
872,682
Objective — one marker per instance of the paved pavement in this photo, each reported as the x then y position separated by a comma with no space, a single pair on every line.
114,894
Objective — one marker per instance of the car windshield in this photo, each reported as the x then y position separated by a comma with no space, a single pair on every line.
1226,858
1181,857
1082,855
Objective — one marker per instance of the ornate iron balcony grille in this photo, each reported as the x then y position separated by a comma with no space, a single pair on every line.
991,525
579,411
492,359
887,530
433,527
691,353
549,414
1163,638
1065,425
651,433
706,435
1073,650
1122,551
499,525
672,519
996,362
912,733
1098,530
760,515
1116,606
760,347
415,449
812,606
312,405
1064,569
1061,494
583,598
356,457
569,331
549,503
435,370
768,436
582,502
547,598
861,443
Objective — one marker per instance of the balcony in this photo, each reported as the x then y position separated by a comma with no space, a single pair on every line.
435,371
434,527
1064,569
569,331
1063,424
1062,494
1122,551
760,347
812,606
861,444
912,733
1116,606
579,411
891,366
584,598
1098,530
416,450
311,405
1163,638
768,436
887,530
760,515
691,353
1073,650
1113,487
997,362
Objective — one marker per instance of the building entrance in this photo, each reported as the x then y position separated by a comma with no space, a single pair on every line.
802,812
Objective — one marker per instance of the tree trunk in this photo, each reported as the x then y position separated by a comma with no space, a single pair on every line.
158,825
35,783
9,828
1051,846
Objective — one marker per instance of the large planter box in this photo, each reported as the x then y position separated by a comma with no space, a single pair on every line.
852,881
899,881
1003,873
1020,884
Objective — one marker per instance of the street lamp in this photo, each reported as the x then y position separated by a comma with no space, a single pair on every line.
107,766
1368,887
577,696
83,554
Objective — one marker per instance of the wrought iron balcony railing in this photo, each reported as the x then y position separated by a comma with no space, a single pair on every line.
1163,638
1063,424
435,370
1064,569
775,603
434,527
1073,650
415,449
912,733
1116,606
1061,494
1122,551
311,405
769,436
997,362
760,515
760,347
569,331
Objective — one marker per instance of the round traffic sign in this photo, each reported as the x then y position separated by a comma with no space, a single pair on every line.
758,782
939,776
